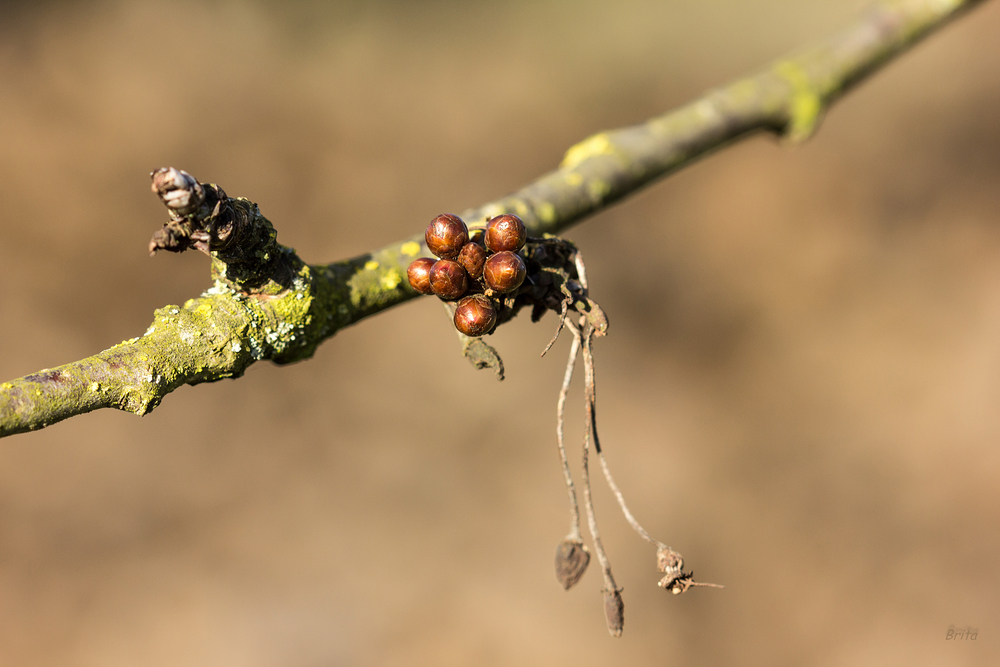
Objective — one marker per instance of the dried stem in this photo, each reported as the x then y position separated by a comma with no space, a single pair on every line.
559,328
591,398
574,508
572,557
669,561
613,606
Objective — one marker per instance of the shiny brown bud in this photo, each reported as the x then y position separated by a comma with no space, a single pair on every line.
446,235
572,558
419,274
472,258
505,232
504,272
448,279
475,315
614,612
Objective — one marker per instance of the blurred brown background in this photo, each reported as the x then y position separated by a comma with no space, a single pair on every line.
799,392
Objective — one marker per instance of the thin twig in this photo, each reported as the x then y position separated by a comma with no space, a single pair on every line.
612,600
591,398
595,533
559,328
574,508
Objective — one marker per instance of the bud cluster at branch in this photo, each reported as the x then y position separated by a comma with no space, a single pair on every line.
485,266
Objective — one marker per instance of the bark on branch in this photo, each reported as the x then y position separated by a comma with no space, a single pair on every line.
267,303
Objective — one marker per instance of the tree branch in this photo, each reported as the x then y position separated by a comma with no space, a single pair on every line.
268,304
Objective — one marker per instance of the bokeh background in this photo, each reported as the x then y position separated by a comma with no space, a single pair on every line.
799,390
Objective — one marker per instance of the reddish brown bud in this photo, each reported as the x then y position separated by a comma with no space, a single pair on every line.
448,279
446,235
614,611
475,315
472,258
572,558
504,272
419,274
505,232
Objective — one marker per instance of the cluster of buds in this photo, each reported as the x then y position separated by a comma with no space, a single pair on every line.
487,273
478,270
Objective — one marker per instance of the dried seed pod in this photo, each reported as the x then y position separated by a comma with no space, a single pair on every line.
446,235
614,611
504,272
419,274
572,558
505,232
475,315
448,279
472,257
